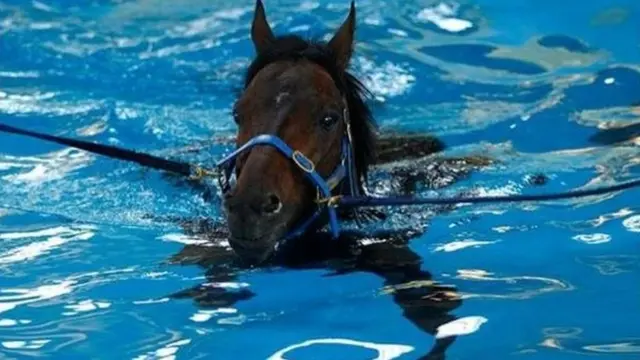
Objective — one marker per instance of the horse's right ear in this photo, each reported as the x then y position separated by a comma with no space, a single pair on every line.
342,42
261,33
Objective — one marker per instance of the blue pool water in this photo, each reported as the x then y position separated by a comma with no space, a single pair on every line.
83,272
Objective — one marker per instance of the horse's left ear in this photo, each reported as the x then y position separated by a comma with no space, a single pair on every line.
342,42
261,33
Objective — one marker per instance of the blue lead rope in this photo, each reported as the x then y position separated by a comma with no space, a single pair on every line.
345,171
364,201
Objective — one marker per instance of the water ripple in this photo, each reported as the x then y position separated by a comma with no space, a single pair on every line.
573,340
593,239
12,298
55,238
462,244
632,223
55,165
166,352
612,265
385,351
540,285
626,346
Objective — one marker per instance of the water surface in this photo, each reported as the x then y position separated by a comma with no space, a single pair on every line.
544,86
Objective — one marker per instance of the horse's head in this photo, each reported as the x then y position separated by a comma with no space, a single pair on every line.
300,92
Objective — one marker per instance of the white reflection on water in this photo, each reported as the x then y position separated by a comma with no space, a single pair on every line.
35,249
385,351
444,16
167,352
632,223
462,244
85,306
462,326
26,345
11,298
205,315
55,165
12,322
593,239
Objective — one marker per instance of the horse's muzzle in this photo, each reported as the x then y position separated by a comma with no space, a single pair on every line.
256,224
252,251
252,247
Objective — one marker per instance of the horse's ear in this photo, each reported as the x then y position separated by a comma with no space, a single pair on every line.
342,42
261,33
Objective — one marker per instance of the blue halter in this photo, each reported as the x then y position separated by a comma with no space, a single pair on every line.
344,170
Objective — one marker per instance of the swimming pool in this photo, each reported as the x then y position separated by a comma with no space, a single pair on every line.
533,84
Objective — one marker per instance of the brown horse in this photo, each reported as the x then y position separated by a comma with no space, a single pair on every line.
302,92
300,95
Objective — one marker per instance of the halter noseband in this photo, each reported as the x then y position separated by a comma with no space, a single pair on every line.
344,170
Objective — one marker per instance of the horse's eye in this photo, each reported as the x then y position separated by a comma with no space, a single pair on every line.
329,120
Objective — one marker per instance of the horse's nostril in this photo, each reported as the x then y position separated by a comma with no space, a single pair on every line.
272,204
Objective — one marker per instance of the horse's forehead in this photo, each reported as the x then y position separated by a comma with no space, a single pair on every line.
289,77
308,73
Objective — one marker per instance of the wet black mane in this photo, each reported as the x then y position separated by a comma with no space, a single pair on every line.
293,47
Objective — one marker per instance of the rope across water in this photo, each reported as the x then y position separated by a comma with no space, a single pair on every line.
369,201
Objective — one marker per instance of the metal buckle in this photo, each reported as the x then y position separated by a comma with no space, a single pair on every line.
331,201
303,162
